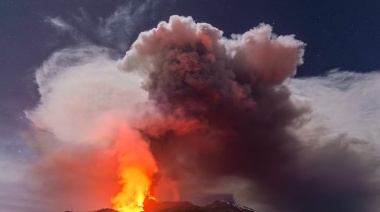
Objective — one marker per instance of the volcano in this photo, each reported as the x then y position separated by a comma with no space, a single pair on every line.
184,206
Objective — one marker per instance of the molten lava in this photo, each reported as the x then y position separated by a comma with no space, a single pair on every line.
137,172
134,192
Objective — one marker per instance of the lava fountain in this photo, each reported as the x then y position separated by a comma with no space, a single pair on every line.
137,172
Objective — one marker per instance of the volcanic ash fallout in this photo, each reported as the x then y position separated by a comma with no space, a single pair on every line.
188,114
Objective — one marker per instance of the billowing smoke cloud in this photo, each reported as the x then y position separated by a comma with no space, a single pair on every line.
217,114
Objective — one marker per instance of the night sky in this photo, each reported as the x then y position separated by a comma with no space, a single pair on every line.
339,34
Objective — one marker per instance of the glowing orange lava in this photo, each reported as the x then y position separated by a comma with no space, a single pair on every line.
137,171
135,190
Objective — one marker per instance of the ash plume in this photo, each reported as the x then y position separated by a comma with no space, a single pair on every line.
217,114
245,118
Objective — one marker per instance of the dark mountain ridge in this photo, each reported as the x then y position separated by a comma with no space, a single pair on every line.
184,206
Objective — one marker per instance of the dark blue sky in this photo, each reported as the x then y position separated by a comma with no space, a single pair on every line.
339,34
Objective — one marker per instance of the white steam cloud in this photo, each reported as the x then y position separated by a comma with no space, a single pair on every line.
344,101
78,86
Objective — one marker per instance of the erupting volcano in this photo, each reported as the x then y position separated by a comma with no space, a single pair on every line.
188,114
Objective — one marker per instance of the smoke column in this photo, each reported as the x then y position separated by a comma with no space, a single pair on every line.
215,113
